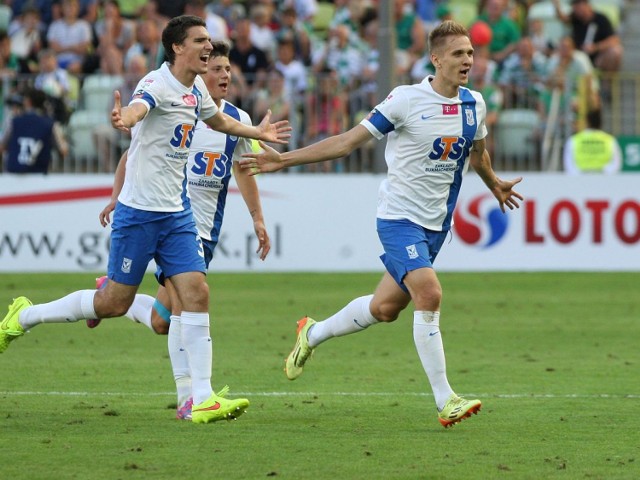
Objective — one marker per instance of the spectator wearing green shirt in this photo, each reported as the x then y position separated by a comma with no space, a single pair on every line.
506,32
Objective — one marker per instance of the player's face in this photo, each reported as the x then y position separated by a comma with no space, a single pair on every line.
454,60
218,77
196,49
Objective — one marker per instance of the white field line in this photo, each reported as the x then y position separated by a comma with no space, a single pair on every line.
324,394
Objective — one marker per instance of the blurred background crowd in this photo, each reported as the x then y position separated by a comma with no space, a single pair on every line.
548,70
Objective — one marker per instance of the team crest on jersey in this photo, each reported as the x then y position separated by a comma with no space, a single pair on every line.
470,120
190,100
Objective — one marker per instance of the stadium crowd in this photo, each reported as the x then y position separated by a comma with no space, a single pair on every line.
313,62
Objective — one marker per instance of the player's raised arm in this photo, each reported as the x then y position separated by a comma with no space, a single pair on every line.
278,132
328,149
123,118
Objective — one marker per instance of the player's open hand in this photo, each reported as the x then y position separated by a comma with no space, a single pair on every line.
264,242
116,113
278,132
506,195
105,214
268,160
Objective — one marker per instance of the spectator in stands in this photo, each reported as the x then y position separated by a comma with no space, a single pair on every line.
593,34
252,62
26,38
292,26
522,76
89,11
341,56
481,79
29,141
164,10
569,71
230,10
505,32
261,33
113,30
108,140
9,62
326,115
70,37
148,43
54,82
216,25
541,43
294,71
411,36
44,7
305,9
592,150
116,35
273,97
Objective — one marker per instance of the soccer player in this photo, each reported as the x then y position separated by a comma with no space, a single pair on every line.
212,156
436,128
153,218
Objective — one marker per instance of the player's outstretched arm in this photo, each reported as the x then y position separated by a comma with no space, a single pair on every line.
123,118
328,149
501,189
278,132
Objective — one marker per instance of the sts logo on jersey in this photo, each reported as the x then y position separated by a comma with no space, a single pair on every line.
450,148
211,164
480,222
182,136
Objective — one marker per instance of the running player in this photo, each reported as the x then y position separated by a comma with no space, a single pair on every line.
436,128
153,218
212,157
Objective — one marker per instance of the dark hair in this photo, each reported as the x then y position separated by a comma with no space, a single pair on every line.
175,33
594,119
448,28
220,49
37,98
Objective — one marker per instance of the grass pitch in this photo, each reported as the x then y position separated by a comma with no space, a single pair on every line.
554,358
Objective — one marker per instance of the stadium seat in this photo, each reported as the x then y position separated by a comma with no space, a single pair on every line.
80,132
517,136
97,91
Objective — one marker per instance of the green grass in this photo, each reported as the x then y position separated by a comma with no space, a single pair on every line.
554,358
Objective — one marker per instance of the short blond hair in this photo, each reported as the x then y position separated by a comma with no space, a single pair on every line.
448,28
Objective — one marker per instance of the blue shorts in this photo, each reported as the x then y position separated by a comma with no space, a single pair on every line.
137,236
208,245
407,246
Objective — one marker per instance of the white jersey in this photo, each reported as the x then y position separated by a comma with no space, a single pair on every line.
155,173
427,151
209,170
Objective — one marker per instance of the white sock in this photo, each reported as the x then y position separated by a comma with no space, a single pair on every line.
197,342
140,310
179,360
353,318
75,306
428,340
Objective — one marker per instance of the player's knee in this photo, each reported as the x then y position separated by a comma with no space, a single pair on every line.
386,312
160,328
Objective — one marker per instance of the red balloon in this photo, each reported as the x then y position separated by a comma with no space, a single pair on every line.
480,34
